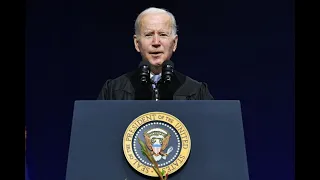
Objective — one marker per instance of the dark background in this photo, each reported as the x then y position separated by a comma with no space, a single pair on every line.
243,49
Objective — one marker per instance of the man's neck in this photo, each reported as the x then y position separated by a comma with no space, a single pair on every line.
156,70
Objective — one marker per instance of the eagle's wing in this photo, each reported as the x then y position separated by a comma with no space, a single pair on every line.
165,142
148,142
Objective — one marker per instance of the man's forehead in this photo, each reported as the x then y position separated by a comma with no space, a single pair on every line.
156,27
151,21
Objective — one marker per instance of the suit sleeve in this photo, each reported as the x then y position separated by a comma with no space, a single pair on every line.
105,92
204,93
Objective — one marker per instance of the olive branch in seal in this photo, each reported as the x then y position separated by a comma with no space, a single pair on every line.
155,166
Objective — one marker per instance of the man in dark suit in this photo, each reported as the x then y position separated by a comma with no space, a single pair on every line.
156,40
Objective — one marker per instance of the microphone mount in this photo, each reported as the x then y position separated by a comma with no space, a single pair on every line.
166,77
167,71
144,72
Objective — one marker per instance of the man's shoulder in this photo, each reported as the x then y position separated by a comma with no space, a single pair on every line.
187,80
120,82
114,87
193,87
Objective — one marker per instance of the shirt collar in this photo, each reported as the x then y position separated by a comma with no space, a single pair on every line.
151,75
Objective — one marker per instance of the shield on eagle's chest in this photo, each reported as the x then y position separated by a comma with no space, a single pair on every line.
156,147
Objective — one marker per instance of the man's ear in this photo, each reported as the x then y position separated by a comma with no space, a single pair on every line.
136,42
175,43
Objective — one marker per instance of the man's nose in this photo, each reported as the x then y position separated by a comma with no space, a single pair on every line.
156,41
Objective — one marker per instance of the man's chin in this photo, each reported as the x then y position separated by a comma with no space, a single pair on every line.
156,63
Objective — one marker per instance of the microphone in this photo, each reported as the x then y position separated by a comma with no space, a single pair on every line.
144,75
167,71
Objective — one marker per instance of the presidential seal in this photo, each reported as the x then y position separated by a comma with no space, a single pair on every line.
166,139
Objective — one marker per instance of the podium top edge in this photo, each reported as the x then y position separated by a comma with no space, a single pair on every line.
160,101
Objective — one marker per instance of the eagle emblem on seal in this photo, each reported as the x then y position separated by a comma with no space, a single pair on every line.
157,141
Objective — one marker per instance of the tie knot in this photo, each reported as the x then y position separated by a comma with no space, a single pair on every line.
156,78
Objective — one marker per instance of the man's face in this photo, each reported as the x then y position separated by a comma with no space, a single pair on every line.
155,41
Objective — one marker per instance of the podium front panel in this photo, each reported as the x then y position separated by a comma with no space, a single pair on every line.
215,127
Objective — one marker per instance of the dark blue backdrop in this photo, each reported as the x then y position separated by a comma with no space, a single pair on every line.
243,49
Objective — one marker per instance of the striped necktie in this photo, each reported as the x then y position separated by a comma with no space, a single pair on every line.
155,79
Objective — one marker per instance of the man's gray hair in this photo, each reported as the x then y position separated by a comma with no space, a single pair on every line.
155,10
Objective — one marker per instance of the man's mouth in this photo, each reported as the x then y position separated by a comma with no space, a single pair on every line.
155,53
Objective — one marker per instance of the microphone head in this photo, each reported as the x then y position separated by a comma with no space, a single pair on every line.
167,71
144,63
168,64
